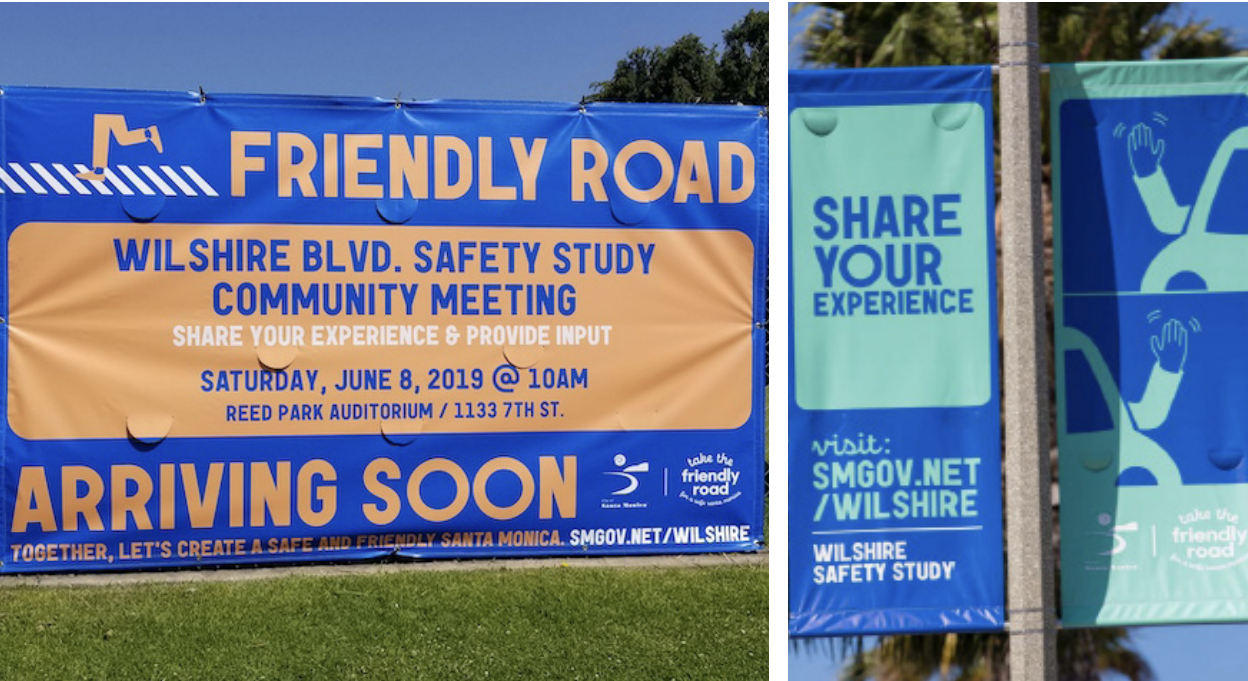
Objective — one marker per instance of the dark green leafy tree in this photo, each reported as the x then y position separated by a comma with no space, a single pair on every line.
743,66
1106,31
857,34
690,72
861,34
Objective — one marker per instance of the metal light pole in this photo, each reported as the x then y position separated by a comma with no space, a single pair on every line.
1029,525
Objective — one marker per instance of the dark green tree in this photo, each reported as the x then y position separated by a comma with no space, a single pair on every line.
857,34
689,72
860,34
743,66
1106,31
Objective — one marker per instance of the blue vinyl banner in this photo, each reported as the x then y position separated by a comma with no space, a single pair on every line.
255,329
1151,230
894,421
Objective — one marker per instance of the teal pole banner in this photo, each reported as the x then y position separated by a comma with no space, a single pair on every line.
1151,266
894,418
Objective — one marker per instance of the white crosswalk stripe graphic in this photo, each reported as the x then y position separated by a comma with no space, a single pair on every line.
98,184
207,188
117,183
47,177
30,181
69,177
134,179
8,182
160,184
61,179
177,179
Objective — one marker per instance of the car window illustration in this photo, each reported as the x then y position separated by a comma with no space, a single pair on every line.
1125,442
1211,247
1229,212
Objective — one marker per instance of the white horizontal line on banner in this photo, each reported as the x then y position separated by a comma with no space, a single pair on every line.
902,529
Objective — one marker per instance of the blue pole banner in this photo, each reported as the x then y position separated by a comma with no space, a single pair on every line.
894,415
254,329
1151,241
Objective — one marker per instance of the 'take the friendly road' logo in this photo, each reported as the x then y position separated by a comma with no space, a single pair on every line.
1207,539
709,480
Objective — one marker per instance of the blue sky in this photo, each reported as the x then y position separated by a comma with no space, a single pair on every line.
423,50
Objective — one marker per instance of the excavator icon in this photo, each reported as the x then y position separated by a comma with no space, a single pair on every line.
109,127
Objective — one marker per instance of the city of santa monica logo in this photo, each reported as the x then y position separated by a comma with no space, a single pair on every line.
627,477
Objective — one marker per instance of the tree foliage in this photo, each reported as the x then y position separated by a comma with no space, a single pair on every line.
743,67
1082,655
858,34
688,71
1106,31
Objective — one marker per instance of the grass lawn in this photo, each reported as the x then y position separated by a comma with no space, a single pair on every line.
549,623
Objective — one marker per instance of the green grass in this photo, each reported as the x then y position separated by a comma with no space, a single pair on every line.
553,623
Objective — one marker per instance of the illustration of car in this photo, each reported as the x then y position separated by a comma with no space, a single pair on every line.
1211,253
1122,444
